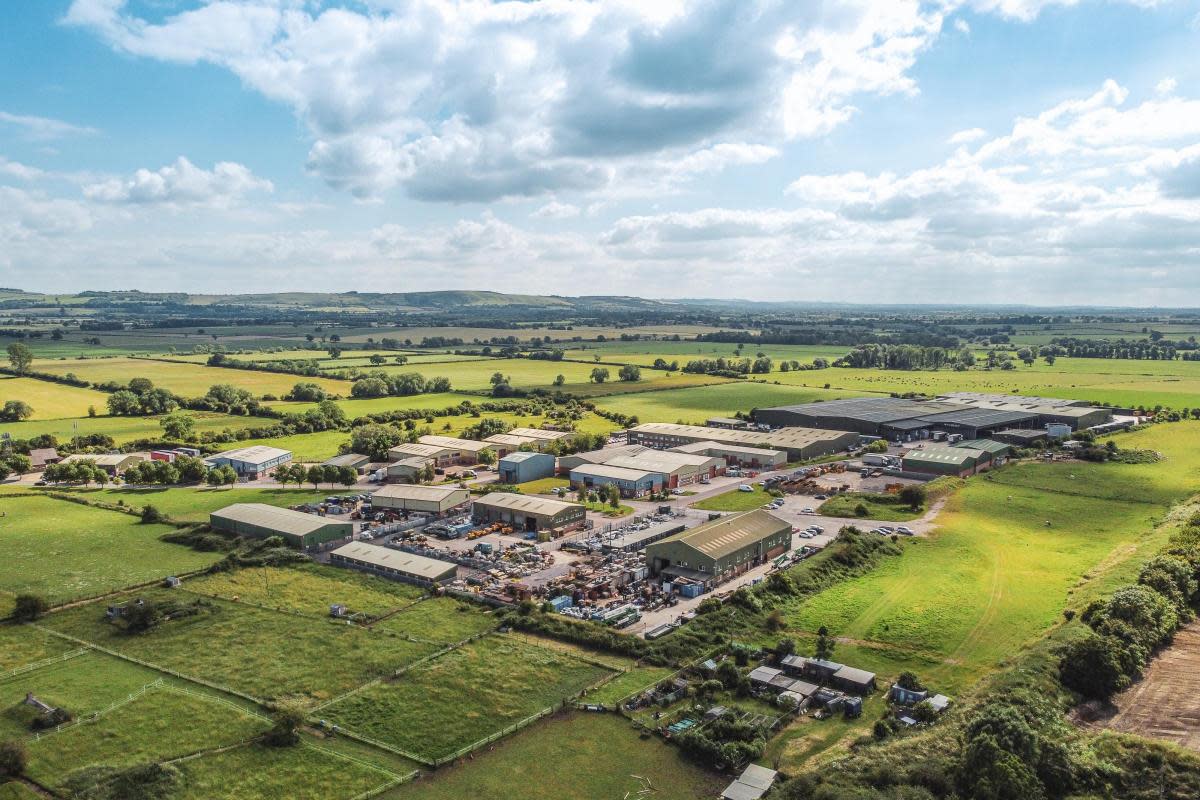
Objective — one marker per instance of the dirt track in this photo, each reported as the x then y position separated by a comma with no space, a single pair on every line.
1165,704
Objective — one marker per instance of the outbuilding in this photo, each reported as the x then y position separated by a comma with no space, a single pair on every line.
251,463
260,521
525,513
524,466
437,500
394,564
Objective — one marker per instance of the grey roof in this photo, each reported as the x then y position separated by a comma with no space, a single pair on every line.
284,520
741,791
980,417
347,460
614,472
416,491
764,674
942,455
759,777
521,502
411,563
255,454
986,445
604,455
720,537
519,456
453,443
854,675
985,397
868,409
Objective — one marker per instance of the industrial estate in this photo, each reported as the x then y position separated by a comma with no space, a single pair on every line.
294,552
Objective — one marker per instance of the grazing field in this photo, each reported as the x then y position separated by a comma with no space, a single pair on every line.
1011,551
160,724
66,550
697,404
21,645
878,506
194,503
125,429
51,400
189,380
379,405
463,696
645,353
266,654
17,791
735,500
258,772
306,447
440,619
308,588
414,335
625,684
571,757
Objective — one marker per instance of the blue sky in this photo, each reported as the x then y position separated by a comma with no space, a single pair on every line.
1043,151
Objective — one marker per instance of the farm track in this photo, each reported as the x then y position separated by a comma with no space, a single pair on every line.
988,615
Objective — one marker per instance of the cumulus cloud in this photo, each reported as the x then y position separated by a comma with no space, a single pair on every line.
180,184
557,210
967,136
13,169
43,128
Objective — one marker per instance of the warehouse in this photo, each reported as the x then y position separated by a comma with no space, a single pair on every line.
718,550
998,452
259,521
525,466
681,469
409,469
355,461
629,482
736,455
413,450
1020,437
453,451
978,423
1079,414
251,463
112,463
864,415
394,564
941,461
437,500
729,423
985,397
798,443
526,513
568,463
503,443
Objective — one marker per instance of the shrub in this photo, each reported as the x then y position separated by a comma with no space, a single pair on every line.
12,759
29,607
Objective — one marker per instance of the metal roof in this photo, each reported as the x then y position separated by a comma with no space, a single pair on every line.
615,472
702,447
868,409
782,437
604,455
980,417
854,675
255,454
941,455
521,502
513,439
415,449
523,455
416,491
986,445
347,460
538,433
103,459
664,461
986,397
758,777
720,537
411,563
453,443
284,520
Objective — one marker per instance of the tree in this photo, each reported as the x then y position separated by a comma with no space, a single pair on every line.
223,475
378,360
630,373
487,456
29,607
599,375
15,411
306,391
913,495
499,378
374,440
124,403
12,759
140,385
369,387
427,473
559,380
178,427
825,644
285,728
1092,666
151,514
346,476
315,475
20,357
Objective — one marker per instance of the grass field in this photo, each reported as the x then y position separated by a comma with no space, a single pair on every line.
625,684
543,485
125,429
735,500
14,790
378,405
257,772
194,503
571,757
66,550
440,619
645,353
189,380
463,696
697,404
306,447
21,645
879,506
308,588
52,400
266,654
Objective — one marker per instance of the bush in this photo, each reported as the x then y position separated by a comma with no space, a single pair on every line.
1093,666
29,607
285,730
12,759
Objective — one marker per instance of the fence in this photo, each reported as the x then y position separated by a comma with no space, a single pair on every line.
36,665
516,726
95,715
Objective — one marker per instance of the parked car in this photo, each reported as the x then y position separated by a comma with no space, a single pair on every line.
906,531
822,497
745,488
807,511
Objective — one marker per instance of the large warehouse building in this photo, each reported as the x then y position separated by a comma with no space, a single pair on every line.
736,455
525,513
260,521
251,463
798,443
452,451
568,463
721,549
629,482
959,461
394,564
681,469
421,499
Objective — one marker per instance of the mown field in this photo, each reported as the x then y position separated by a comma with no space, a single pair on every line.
378,405
463,696
51,400
65,550
188,380
266,654
645,353
697,404
570,757
124,429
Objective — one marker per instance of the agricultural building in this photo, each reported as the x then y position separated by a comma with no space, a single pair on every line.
957,461
525,466
602,456
526,513
722,548
798,443
681,469
394,564
453,451
355,461
260,521
39,457
112,463
997,452
422,499
1019,437
851,679
736,455
251,463
407,469
629,482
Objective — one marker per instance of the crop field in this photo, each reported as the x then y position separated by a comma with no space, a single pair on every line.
697,404
463,696
66,550
1012,549
188,380
193,504
308,588
571,757
158,725
258,772
125,429
266,654
415,334
645,353
440,619
51,400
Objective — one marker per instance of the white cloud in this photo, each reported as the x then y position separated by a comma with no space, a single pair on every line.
967,136
180,184
962,26
13,169
1166,86
44,128
557,210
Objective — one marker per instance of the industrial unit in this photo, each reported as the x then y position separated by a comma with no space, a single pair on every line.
630,482
1048,410
959,461
453,451
394,564
407,450
798,443
517,438
355,461
525,466
260,521
722,548
997,451
407,469
736,455
112,463
568,463
424,499
251,463
680,469
526,513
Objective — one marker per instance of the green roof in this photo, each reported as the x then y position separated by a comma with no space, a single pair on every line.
986,445
720,537
941,455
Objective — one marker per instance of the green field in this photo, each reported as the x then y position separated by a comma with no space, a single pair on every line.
309,589
735,500
306,447
125,429
879,506
440,619
697,404
188,380
266,654
66,550
21,645
625,684
51,400
257,772
379,405
571,757
195,503
463,696
645,353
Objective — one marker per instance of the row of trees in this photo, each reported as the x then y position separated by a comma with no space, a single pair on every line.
316,475
381,384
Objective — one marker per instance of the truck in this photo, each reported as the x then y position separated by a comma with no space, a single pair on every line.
875,459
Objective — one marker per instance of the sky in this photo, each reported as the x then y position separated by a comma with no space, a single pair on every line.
876,151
